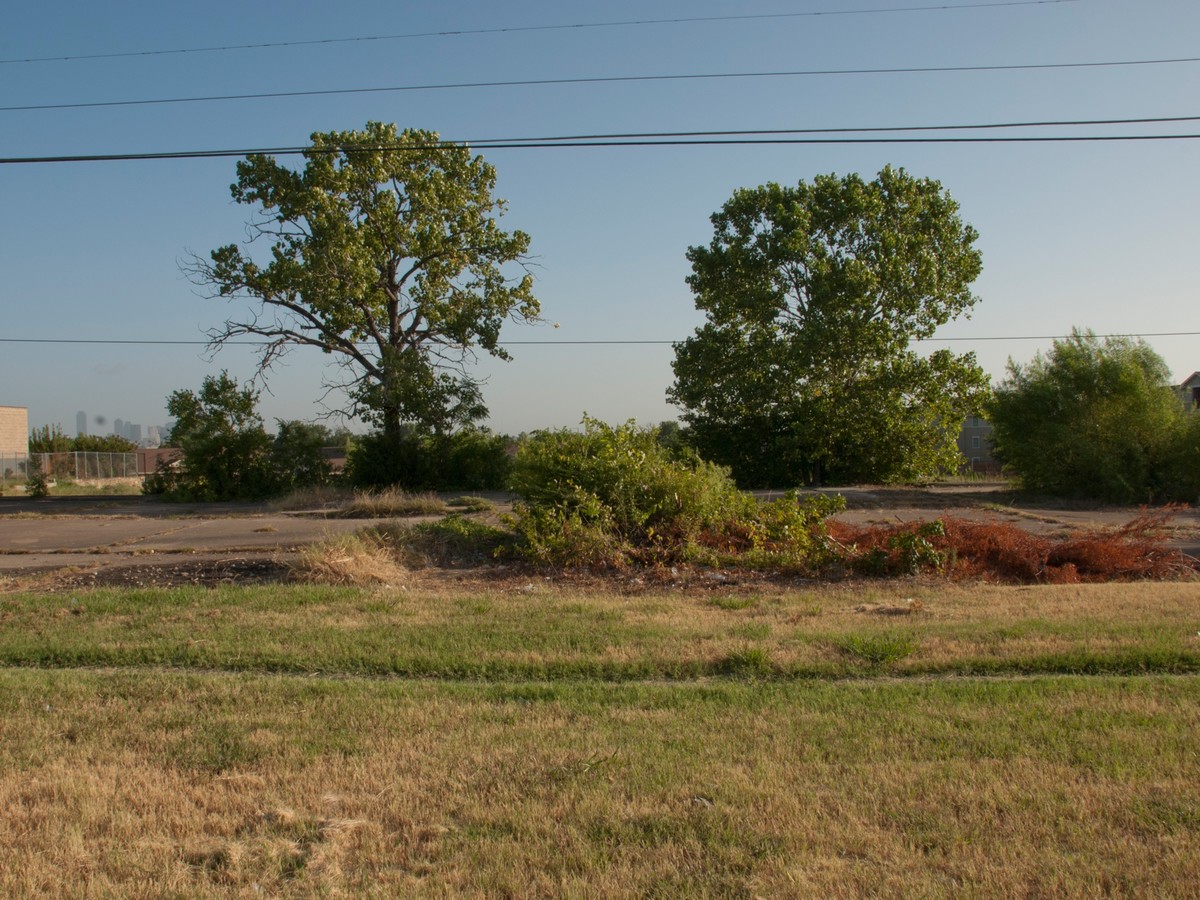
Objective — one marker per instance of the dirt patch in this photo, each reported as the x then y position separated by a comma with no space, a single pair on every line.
207,573
73,543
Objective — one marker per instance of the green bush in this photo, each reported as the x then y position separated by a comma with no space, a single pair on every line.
297,458
586,494
608,496
456,540
225,451
1097,420
470,459
38,484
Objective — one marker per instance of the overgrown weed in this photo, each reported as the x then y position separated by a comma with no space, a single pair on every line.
392,502
1000,551
363,558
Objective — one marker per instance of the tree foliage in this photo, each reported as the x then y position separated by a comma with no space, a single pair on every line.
803,371
384,252
228,455
224,445
51,439
470,458
1097,419
103,443
297,455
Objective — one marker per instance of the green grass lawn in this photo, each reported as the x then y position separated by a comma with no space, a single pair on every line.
901,739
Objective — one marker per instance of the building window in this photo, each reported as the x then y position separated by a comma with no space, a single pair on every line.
975,442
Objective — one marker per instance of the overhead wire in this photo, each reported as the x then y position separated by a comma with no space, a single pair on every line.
510,29
295,151
600,342
599,79
678,138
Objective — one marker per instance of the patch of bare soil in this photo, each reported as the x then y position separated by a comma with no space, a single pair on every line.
206,573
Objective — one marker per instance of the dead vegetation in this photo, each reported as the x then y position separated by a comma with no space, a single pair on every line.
352,559
380,504
1004,552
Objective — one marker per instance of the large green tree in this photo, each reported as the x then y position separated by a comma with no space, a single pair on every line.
385,252
1097,419
804,371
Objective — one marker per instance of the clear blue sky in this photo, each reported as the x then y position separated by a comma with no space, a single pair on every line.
1099,235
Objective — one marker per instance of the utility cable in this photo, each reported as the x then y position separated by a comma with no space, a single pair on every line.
600,79
296,151
460,32
615,342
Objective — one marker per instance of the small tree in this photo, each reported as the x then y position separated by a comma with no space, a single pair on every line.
226,452
813,294
49,439
1099,420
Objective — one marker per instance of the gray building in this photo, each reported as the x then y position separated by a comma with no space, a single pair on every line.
975,445
1189,391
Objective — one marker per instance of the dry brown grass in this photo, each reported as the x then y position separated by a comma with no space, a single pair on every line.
350,504
320,497
390,502
206,786
350,559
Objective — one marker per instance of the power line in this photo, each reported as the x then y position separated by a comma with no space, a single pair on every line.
601,79
460,32
1047,123
614,342
295,151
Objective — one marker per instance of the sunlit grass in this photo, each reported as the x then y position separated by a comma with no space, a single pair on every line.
533,630
445,737
209,785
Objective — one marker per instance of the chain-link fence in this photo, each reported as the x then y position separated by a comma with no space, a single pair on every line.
86,465
13,466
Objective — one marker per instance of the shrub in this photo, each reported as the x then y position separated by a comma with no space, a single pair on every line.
1097,419
590,495
786,533
469,459
455,541
297,458
38,483
225,449
614,495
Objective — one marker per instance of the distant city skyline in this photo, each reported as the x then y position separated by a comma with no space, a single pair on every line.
149,436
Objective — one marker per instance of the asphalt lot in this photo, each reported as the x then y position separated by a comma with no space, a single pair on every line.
102,533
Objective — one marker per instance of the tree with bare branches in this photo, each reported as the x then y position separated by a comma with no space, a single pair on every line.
385,252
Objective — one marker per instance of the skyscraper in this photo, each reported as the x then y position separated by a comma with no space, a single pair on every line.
81,423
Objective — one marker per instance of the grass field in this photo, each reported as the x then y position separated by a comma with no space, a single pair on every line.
526,738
